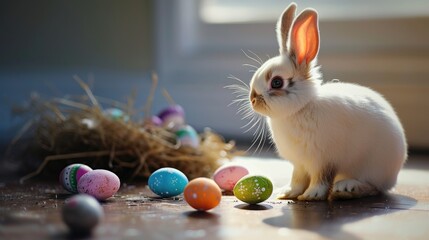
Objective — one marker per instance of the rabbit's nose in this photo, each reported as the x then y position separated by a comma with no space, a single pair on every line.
253,97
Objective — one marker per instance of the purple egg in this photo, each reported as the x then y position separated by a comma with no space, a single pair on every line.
172,117
156,121
70,175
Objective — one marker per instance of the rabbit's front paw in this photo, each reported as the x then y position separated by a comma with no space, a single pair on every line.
315,193
291,194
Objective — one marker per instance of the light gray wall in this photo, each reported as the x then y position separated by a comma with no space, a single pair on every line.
75,34
44,43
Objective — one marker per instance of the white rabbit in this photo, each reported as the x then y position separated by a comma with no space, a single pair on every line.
344,140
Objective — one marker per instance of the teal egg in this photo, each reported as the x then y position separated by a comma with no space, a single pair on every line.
167,182
188,136
116,114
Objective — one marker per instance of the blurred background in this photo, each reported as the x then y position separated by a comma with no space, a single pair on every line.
194,45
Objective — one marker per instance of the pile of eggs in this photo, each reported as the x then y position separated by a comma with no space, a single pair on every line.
82,212
204,194
173,119
99,183
201,193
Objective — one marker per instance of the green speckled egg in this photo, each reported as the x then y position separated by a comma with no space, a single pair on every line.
253,189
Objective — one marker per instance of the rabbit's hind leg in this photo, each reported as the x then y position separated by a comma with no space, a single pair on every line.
351,188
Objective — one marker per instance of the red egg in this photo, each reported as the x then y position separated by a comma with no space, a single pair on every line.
202,194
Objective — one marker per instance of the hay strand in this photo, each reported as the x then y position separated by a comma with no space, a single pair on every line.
168,97
87,90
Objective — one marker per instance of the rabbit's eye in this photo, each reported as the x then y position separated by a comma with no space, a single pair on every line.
277,82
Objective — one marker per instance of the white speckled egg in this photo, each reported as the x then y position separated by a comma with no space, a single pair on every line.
188,136
82,213
253,189
167,182
71,174
227,176
89,123
99,183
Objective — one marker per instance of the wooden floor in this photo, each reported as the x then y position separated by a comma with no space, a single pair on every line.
32,211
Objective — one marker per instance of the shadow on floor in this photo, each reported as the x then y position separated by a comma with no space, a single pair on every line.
327,218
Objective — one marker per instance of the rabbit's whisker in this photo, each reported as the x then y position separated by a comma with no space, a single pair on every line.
261,129
252,58
256,55
255,122
250,65
239,80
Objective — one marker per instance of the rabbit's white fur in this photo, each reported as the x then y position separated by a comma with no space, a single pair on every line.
342,138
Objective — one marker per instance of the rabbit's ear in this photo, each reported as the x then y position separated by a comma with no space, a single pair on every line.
305,36
283,26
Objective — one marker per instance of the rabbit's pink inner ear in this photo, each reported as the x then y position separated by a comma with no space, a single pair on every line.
305,37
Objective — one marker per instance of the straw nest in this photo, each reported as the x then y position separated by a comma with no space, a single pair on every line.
77,129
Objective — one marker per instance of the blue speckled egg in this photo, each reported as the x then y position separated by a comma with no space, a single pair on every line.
167,182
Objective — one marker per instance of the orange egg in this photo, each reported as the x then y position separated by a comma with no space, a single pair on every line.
202,194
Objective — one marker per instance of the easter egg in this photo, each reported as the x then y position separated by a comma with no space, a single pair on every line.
227,176
71,174
99,183
188,136
89,123
202,194
167,182
81,213
155,120
172,117
116,114
253,189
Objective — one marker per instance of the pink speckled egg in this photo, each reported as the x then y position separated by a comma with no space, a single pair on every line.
71,174
99,183
227,176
